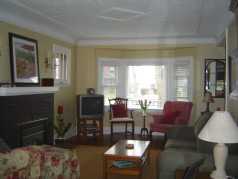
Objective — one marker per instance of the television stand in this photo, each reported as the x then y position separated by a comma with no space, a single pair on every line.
84,128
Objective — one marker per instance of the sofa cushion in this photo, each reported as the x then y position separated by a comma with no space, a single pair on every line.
180,144
202,120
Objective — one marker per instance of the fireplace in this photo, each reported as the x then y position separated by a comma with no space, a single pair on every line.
27,119
32,132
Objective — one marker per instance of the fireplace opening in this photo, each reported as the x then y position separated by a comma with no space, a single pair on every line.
32,132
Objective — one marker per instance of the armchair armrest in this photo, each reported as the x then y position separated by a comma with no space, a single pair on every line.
180,120
158,118
181,133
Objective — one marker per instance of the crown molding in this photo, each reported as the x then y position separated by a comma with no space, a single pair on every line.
145,41
38,29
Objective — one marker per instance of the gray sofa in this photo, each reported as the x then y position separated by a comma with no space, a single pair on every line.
183,148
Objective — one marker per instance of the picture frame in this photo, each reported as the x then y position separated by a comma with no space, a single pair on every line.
24,61
233,70
233,74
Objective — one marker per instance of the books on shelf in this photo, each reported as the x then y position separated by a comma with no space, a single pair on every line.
123,164
90,127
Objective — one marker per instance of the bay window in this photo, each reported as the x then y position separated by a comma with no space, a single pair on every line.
157,80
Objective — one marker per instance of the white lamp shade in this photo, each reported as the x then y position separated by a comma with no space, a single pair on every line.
220,128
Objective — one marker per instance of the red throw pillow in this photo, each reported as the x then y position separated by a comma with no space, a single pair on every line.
169,116
119,110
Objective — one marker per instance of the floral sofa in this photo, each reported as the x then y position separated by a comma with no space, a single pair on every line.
39,162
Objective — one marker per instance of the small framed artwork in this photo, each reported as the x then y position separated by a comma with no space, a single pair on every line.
90,91
24,61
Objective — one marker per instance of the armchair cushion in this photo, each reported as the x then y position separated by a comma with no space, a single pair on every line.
169,116
119,110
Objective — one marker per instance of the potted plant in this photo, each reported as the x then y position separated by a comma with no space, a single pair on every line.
61,128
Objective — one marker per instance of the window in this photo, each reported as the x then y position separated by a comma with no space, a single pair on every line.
146,82
156,80
62,64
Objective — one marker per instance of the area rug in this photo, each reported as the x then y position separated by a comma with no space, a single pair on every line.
91,164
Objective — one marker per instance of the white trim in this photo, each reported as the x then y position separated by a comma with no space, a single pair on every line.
146,41
39,29
16,91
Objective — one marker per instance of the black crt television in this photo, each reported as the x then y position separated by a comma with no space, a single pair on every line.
90,106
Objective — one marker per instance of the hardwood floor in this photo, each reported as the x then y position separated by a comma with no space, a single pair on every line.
156,143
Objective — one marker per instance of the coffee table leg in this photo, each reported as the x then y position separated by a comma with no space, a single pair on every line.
104,168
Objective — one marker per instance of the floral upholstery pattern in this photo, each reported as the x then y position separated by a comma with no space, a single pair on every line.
39,162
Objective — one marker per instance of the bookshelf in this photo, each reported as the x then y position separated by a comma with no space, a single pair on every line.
96,127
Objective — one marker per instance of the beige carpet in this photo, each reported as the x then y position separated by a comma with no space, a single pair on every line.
91,164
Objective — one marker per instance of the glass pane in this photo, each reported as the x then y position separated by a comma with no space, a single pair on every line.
57,69
110,75
181,82
64,67
146,82
109,93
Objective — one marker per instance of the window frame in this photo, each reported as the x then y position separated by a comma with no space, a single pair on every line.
61,49
169,74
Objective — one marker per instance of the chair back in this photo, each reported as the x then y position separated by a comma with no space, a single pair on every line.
116,101
182,106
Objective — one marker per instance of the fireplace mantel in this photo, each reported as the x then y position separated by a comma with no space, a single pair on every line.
17,91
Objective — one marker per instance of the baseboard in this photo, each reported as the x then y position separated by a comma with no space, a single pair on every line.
107,130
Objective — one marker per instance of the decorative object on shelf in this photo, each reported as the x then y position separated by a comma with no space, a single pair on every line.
208,99
51,57
129,146
24,61
47,82
61,127
90,91
220,129
144,105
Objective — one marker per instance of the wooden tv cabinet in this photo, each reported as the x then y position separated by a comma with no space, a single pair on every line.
82,127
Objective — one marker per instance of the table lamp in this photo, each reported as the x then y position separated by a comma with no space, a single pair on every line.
220,129
208,99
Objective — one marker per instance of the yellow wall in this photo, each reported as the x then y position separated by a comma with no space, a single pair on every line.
85,68
232,45
66,95
87,64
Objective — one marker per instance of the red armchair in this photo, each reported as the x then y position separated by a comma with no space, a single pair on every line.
174,113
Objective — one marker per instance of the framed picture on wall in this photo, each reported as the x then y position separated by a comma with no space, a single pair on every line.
233,70
24,61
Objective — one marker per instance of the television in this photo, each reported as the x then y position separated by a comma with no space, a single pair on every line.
90,106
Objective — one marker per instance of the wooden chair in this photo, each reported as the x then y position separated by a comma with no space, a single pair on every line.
118,114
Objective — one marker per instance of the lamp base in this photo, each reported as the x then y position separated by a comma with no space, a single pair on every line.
220,153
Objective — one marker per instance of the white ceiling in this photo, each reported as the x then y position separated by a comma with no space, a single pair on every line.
122,21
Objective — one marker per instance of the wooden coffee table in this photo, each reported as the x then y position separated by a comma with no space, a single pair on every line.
118,152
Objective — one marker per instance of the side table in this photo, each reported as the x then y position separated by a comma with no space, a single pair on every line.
144,129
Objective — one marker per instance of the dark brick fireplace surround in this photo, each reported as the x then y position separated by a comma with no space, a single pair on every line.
27,119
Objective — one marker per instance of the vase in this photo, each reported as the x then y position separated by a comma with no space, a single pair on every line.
144,112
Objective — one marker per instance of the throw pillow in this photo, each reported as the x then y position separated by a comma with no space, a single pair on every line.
119,110
169,116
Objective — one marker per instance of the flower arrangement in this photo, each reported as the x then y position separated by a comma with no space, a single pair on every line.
144,105
61,128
